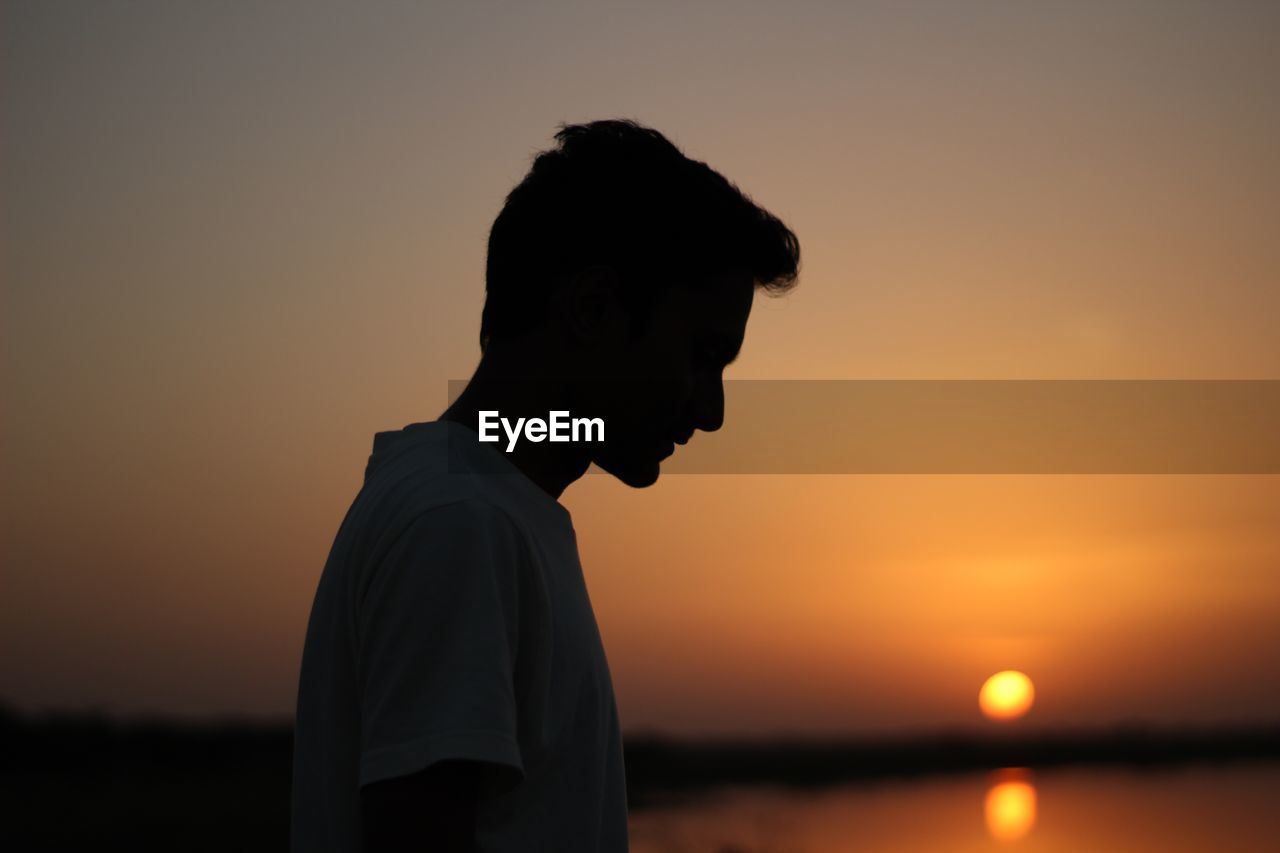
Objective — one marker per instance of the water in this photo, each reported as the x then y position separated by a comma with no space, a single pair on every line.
1227,808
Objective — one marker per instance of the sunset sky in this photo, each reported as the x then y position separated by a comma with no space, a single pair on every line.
240,239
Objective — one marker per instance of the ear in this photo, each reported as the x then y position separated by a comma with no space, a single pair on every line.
592,306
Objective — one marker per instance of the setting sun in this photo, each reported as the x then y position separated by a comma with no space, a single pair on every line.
1006,695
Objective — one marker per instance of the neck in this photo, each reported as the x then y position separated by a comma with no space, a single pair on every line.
511,385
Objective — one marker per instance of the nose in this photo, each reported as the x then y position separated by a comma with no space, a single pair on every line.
708,404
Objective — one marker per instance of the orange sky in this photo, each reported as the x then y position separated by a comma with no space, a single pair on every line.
238,240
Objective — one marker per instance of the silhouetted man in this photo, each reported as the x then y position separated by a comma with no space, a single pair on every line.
454,692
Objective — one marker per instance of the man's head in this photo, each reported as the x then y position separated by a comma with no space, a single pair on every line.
639,265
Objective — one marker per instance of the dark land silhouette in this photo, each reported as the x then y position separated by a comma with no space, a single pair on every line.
70,780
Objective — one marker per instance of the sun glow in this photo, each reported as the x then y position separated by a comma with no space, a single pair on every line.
1006,695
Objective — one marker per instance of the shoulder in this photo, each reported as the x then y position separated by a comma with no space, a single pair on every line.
445,555
403,497
469,525
463,515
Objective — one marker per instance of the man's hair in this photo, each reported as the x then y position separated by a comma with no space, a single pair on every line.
619,194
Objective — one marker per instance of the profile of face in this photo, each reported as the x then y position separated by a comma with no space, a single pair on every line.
655,386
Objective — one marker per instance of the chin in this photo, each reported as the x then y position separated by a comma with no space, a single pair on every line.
642,479
638,474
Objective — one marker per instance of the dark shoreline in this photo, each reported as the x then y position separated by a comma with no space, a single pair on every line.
75,778
658,766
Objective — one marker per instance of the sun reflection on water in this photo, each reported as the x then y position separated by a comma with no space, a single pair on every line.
1010,805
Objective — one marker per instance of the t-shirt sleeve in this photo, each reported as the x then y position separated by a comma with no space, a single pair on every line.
436,633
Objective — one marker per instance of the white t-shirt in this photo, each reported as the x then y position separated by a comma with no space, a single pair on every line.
452,622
